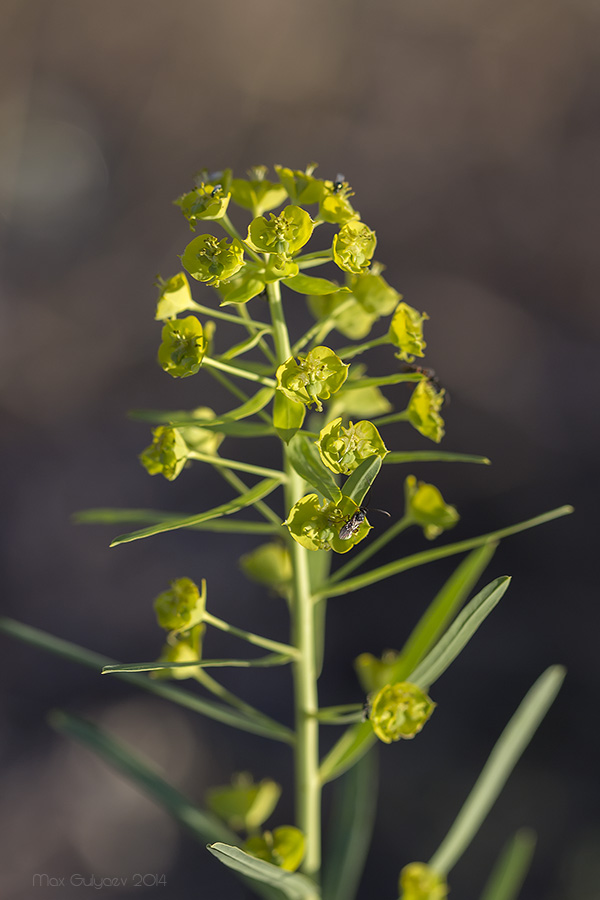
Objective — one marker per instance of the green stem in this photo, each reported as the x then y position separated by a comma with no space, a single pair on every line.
234,464
355,350
222,693
371,549
238,371
249,637
227,317
267,352
393,417
237,392
308,786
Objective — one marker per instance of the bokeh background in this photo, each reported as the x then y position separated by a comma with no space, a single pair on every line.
470,133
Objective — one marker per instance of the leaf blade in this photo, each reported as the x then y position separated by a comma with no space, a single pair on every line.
511,868
292,884
412,456
306,460
358,484
272,659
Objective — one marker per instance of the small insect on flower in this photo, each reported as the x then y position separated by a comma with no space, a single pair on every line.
352,524
430,376
338,184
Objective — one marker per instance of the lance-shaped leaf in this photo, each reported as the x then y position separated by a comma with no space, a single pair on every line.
180,417
273,659
110,516
510,871
82,656
411,456
306,284
359,483
306,460
244,346
260,490
500,763
292,884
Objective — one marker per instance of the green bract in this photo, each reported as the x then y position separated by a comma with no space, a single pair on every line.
212,261
367,401
406,332
372,298
354,246
167,454
197,438
208,201
186,648
316,525
419,882
399,711
182,606
284,234
423,410
269,564
425,506
313,377
183,347
257,193
343,448
300,186
334,204
374,673
284,847
175,297
243,804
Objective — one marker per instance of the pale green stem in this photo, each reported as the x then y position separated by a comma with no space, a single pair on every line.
311,263
255,639
222,693
352,351
227,317
321,328
260,506
393,417
268,353
371,549
308,786
238,371
238,466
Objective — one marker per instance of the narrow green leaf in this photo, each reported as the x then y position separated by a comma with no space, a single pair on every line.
358,484
203,825
459,633
306,460
412,456
249,288
344,754
110,516
260,490
381,381
292,884
244,346
352,820
442,610
501,761
427,556
180,417
273,659
288,416
84,657
306,284
512,867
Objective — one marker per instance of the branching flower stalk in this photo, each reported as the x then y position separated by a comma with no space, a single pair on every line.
327,415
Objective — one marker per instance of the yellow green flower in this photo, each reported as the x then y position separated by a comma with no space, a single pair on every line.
182,606
316,525
313,377
186,648
284,847
424,410
269,564
301,187
183,347
199,439
374,673
373,297
426,507
419,882
212,261
244,804
399,711
353,247
334,204
256,192
343,448
167,454
207,202
406,332
283,234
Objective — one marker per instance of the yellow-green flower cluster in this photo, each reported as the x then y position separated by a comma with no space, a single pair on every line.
353,247
313,377
317,525
212,261
419,882
167,454
424,410
427,508
283,847
343,448
370,298
399,711
283,234
183,347
406,332
180,612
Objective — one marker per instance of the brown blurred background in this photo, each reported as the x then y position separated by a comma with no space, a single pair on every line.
470,133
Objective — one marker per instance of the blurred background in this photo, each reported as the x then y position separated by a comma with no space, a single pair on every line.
470,133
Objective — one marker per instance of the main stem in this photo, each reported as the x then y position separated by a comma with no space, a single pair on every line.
308,785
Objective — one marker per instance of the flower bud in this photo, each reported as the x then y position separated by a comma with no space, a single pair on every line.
426,507
399,711
187,648
183,347
269,564
313,377
406,332
419,882
243,804
317,526
353,247
182,606
212,261
423,410
284,234
284,847
343,449
167,454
